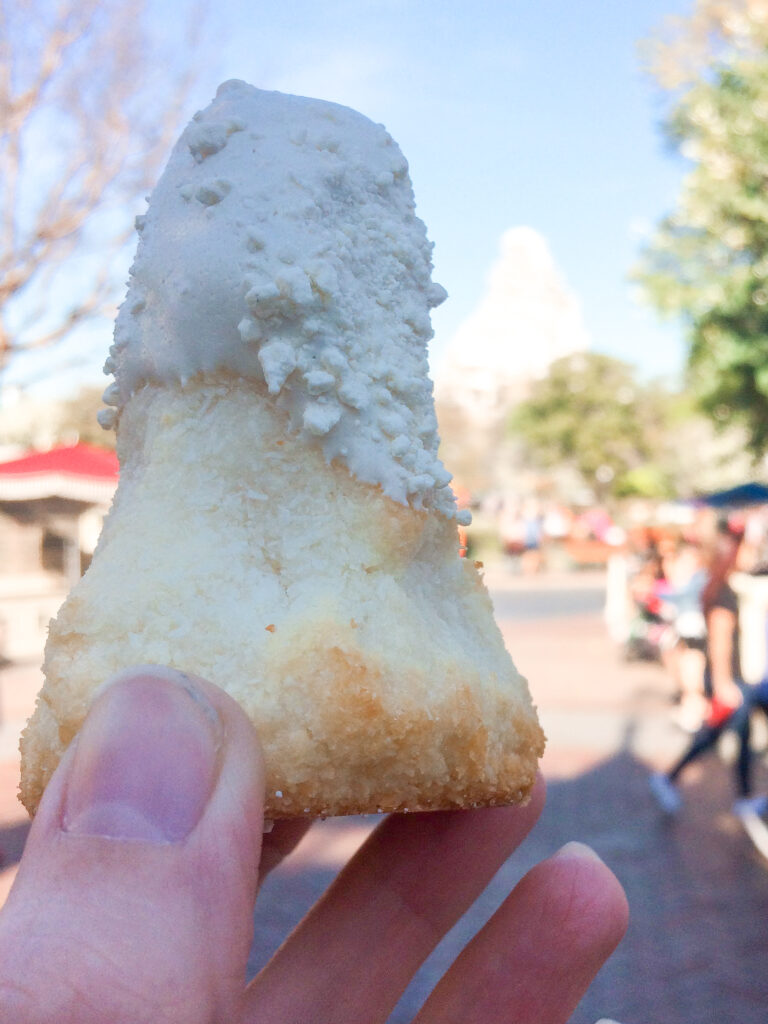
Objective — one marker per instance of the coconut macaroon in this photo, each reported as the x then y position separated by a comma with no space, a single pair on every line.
283,525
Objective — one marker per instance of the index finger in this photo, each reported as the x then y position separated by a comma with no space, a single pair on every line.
280,842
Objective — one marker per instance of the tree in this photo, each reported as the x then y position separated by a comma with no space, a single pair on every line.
591,414
685,48
708,261
87,112
77,420
29,421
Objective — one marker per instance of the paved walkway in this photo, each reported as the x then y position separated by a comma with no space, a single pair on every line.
697,945
698,941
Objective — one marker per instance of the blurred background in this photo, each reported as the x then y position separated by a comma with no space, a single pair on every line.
593,177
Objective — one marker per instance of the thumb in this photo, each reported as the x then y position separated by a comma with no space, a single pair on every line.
134,898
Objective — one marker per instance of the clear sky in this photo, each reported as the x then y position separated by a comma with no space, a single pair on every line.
510,112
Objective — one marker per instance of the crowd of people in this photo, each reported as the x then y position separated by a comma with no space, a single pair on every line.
674,594
541,535
686,593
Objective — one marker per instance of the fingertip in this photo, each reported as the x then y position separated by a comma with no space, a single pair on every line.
578,851
149,708
587,895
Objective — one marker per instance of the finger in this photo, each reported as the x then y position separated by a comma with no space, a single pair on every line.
538,954
134,898
362,943
280,843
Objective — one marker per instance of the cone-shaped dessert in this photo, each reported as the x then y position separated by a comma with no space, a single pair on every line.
282,525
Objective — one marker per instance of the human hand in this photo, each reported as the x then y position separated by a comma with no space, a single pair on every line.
134,898
726,699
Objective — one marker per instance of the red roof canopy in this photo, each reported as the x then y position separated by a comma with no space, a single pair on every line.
79,472
81,460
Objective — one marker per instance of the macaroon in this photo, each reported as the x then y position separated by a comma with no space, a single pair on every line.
283,525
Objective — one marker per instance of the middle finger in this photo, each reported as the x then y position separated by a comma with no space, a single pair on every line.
357,950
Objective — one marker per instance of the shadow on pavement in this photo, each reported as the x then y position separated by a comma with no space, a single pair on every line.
697,944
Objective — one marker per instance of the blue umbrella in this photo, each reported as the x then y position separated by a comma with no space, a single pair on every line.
736,497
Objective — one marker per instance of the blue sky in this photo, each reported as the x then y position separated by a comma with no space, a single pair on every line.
510,112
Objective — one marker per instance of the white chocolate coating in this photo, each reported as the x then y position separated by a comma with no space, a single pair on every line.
281,244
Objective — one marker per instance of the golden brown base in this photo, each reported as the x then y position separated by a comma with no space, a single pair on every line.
360,645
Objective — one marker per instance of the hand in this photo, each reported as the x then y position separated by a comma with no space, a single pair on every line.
726,699
134,898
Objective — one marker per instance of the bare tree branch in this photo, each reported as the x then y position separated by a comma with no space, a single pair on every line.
82,137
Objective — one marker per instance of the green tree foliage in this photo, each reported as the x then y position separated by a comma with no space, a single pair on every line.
708,262
77,419
590,413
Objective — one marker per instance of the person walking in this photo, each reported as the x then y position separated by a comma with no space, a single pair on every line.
724,688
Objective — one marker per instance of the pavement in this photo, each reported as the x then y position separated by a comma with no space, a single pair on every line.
697,944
